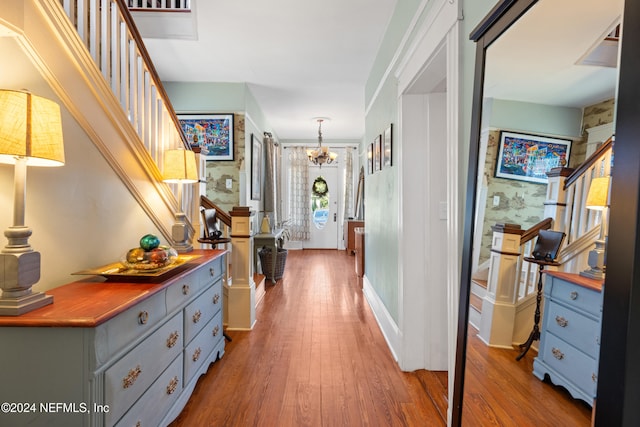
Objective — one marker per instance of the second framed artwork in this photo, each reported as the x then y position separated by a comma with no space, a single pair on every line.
256,168
212,134
529,157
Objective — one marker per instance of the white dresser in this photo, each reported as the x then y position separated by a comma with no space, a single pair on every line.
570,335
114,353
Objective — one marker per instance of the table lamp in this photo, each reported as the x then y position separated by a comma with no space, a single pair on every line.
598,200
179,166
30,135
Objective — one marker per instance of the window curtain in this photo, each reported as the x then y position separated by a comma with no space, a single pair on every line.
299,194
271,184
348,183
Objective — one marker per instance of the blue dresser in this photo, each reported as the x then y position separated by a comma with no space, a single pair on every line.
570,335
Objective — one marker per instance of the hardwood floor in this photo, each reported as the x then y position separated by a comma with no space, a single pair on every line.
316,357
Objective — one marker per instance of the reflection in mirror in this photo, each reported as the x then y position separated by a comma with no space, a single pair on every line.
550,79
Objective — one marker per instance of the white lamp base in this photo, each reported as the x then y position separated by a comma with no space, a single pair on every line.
597,261
18,272
180,235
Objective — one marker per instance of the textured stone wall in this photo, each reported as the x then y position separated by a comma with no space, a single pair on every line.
218,172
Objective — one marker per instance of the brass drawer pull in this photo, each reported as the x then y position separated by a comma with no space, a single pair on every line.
573,295
196,316
131,377
173,384
143,317
594,378
185,289
561,321
216,330
196,354
139,424
216,298
212,271
557,353
173,339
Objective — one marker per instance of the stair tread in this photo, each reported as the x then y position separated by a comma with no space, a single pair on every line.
475,302
480,282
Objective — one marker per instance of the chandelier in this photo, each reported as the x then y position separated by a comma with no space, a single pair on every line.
321,155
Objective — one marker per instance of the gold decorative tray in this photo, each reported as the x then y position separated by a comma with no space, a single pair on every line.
117,271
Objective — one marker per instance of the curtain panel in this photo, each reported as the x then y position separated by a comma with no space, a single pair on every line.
299,195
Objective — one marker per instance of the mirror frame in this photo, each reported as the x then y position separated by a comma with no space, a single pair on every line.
618,381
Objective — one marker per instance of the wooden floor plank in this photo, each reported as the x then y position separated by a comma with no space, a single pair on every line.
316,357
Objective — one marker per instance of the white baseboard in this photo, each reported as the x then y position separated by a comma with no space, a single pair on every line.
388,326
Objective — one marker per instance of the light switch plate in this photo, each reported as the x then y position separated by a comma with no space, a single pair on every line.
229,183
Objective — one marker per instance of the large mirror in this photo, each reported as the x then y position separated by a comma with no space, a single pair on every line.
546,71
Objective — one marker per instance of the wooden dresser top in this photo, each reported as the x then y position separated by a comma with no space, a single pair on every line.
91,301
585,282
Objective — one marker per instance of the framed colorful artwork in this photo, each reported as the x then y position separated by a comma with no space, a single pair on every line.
370,158
529,157
211,134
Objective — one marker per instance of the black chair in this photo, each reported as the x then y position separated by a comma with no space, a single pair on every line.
212,233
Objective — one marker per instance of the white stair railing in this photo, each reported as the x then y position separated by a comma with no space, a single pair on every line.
160,4
107,30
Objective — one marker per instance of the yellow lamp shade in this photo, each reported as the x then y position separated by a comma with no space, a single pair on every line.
31,128
598,196
179,166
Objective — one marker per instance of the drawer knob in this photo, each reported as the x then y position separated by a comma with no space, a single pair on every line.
573,295
216,330
173,384
143,317
594,378
561,321
212,271
173,339
131,377
557,353
196,316
196,354
139,424
185,289
216,298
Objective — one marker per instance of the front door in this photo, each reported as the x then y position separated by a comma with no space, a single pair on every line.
324,207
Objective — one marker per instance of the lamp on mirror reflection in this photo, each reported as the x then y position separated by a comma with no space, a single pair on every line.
179,166
598,200
30,135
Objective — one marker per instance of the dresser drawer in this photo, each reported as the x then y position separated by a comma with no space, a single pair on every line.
574,365
128,326
200,348
199,312
130,377
151,408
182,291
578,330
210,272
577,297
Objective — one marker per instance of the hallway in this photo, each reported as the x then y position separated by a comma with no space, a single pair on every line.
315,357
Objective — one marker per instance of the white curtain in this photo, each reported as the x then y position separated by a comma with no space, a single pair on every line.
271,182
348,183
299,194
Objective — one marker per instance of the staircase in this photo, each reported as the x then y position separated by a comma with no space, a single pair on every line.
502,299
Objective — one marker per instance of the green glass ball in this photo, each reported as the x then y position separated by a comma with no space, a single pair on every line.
149,242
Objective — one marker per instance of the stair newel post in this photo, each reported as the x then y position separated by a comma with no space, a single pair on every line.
499,305
555,205
241,293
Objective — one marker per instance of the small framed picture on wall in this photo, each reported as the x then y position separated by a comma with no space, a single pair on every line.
370,158
377,153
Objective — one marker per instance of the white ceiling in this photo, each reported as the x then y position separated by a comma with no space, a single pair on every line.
536,59
311,59
300,59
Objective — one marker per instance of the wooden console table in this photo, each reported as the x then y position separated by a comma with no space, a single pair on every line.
349,234
115,352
